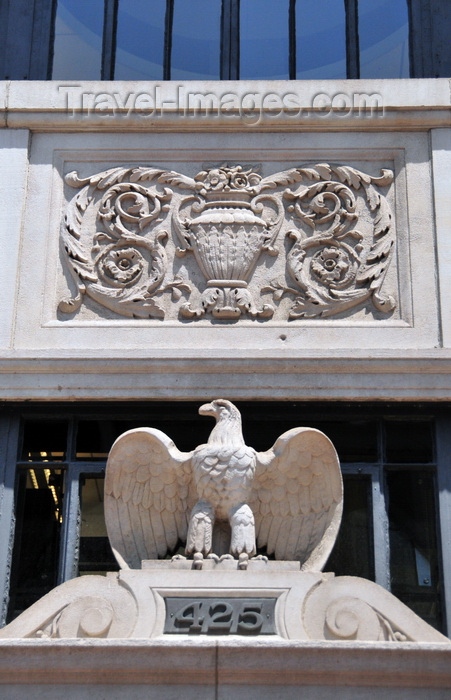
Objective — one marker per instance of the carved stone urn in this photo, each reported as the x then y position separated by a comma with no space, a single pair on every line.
227,231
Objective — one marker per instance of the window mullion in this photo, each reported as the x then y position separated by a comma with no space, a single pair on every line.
352,39
9,438
381,537
109,39
230,40
224,69
444,499
70,530
380,531
235,40
292,40
168,25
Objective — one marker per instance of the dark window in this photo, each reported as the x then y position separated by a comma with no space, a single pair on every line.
78,40
321,39
413,543
140,40
264,39
388,456
39,495
384,39
247,39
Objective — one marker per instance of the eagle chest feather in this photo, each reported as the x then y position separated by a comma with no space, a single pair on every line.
224,476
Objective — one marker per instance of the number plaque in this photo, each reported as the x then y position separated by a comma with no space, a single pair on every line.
245,616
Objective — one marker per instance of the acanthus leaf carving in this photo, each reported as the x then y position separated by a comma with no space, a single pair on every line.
122,265
330,265
336,222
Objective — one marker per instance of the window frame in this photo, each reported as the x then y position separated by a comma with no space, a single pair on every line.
230,39
27,34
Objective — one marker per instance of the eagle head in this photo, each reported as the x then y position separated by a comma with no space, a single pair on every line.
220,408
228,422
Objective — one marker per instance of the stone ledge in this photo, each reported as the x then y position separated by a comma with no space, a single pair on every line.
390,377
406,104
229,662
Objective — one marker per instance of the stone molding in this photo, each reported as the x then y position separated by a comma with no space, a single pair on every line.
301,376
43,105
228,669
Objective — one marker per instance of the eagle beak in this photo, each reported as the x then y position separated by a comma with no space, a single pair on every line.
207,409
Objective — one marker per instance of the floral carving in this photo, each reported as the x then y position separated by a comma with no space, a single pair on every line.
123,263
121,266
334,265
126,228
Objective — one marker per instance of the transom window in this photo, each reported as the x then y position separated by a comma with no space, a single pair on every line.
389,462
230,39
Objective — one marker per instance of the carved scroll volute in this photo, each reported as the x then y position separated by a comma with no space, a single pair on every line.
335,265
227,230
351,608
114,242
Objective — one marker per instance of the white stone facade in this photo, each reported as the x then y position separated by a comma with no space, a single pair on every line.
51,130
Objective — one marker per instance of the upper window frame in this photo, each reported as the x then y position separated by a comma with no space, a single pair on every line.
230,39
27,37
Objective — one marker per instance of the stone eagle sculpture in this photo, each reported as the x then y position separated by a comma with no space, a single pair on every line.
223,496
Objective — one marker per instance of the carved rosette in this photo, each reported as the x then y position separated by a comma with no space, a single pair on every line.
333,222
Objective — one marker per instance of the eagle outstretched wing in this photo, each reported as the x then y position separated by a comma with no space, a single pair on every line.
148,496
297,498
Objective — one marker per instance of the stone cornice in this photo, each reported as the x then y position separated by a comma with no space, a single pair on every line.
182,376
244,664
328,105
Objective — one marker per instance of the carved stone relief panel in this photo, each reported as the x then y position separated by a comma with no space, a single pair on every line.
228,244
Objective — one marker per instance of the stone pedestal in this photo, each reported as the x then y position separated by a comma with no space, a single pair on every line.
173,601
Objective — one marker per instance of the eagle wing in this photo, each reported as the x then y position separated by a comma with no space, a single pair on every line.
148,496
297,498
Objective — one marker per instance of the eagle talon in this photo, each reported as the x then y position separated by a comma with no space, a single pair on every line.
198,560
213,556
225,557
243,560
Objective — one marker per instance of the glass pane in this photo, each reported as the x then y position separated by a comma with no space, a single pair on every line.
95,551
264,39
140,40
353,551
320,39
78,40
36,539
354,440
95,437
44,441
413,545
408,442
384,39
196,33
